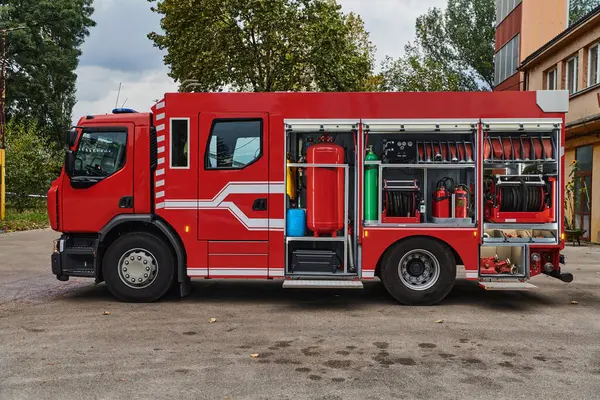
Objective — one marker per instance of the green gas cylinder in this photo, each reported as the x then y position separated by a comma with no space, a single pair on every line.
371,187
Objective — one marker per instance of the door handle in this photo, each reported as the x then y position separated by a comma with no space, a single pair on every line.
260,205
126,202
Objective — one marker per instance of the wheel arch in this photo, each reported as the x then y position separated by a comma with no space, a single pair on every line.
457,257
148,223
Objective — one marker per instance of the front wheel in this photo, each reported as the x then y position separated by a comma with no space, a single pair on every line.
419,271
138,267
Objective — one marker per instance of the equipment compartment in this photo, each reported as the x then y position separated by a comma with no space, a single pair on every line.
521,166
420,172
503,261
320,198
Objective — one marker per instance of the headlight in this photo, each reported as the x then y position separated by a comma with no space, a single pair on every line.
536,257
548,267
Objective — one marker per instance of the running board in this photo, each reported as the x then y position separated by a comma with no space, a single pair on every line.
507,286
321,284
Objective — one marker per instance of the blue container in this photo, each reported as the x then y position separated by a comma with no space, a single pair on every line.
296,222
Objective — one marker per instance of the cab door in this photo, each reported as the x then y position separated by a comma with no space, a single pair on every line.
233,192
102,183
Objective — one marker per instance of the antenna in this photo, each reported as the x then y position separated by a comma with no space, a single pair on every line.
118,95
125,102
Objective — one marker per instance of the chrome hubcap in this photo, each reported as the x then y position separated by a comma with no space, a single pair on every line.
138,268
419,269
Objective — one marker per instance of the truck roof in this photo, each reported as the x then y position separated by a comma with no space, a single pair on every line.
420,105
140,119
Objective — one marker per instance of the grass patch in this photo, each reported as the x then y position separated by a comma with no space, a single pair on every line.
36,218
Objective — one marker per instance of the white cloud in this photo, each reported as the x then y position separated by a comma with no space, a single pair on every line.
98,88
119,51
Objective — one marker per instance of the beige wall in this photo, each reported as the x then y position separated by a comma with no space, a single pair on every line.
581,105
594,233
542,21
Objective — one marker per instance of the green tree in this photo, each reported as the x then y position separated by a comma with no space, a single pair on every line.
30,164
453,50
264,45
43,58
579,8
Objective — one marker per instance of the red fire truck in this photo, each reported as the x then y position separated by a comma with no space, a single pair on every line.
319,190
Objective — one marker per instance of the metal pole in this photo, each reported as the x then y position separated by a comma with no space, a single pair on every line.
3,124
3,78
3,131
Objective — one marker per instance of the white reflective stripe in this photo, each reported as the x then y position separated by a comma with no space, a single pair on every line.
276,272
160,116
160,139
161,150
160,128
245,188
368,274
197,272
160,172
160,183
472,275
160,206
160,161
218,203
160,195
238,271
160,105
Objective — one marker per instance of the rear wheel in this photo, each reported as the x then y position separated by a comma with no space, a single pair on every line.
138,267
419,271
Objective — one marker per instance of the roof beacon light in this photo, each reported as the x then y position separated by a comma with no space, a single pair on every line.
124,111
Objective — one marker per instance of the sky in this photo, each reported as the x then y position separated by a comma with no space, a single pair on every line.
118,50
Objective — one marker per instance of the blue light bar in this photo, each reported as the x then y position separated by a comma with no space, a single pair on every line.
124,111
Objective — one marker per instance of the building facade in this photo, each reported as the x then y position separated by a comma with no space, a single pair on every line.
523,26
570,61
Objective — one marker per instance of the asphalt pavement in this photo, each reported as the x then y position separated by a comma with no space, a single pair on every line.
72,340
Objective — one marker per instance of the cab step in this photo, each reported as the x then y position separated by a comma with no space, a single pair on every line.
507,286
322,284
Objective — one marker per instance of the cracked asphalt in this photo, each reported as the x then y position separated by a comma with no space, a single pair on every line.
57,343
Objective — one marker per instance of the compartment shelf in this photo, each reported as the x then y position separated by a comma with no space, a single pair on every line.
368,224
316,239
425,165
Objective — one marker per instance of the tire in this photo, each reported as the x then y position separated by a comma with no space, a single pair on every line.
152,267
428,271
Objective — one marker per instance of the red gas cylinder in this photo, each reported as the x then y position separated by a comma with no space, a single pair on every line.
325,189
461,205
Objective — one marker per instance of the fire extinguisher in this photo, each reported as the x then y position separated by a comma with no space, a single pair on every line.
461,201
441,198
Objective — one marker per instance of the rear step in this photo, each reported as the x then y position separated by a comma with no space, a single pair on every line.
507,286
321,284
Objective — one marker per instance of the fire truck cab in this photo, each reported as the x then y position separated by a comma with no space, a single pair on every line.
319,190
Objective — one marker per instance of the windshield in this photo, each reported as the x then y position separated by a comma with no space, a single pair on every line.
100,153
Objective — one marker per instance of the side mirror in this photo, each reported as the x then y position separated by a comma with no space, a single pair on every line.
71,137
69,163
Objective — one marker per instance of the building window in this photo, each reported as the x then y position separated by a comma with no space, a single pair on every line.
507,60
594,66
504,8
551,81
234,144
180,139
572,74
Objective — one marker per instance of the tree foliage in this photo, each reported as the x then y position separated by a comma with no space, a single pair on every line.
30,164
579,8
453,50
42,59
264,45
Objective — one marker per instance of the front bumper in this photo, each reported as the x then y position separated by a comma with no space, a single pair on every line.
69,258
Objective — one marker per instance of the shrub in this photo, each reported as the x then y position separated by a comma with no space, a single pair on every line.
31,164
